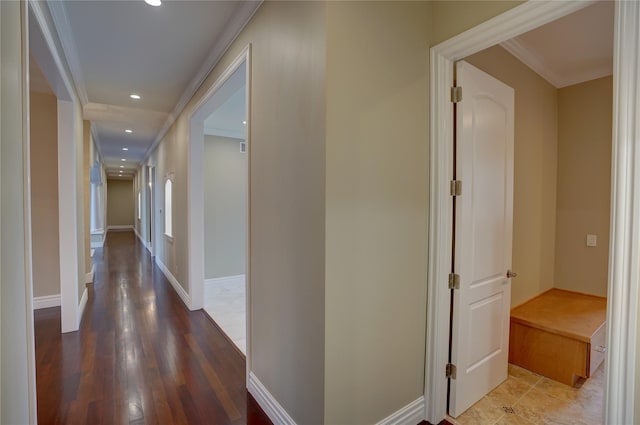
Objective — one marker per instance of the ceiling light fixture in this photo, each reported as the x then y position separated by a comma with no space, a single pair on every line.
153,2
135,96
128,131
122,166
125,149
122,159
244,122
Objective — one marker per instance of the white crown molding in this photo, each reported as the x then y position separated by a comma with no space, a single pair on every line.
36,7
63,27
533,61
221,132
234,26
267,402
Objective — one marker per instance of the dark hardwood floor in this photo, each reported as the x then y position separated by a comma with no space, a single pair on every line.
140,357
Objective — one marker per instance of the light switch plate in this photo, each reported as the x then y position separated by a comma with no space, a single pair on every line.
592,240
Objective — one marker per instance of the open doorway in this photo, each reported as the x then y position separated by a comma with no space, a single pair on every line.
225,212
554,321
512,24
219,203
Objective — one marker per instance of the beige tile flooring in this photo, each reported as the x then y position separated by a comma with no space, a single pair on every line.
526,398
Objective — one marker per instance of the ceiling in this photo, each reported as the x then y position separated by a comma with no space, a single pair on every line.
115,48
570,50
229,119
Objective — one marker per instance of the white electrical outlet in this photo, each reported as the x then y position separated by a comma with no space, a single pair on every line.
592,240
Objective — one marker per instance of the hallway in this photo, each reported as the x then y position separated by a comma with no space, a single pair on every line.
140,356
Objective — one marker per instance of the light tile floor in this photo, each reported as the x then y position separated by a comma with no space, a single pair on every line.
226,304
526,398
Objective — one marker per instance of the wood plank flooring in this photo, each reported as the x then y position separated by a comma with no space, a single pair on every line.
140,357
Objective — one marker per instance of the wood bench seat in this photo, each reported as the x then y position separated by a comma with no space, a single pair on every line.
559,334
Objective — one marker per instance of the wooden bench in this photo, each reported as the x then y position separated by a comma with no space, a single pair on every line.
559,334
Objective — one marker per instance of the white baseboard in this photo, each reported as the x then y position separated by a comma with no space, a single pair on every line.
226,280
89,276
174,282
100,243
142,241
46,301
120,227
268,403
411,414
82,305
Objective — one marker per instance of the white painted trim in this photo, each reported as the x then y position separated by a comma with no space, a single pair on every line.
174,282
46,301
67,202
36,7
512,23
239,279
267,402
142,241
411,414
97,244
234,27
533,61
63,27
195,181
89,276
233,134
120,227
622,384
82,305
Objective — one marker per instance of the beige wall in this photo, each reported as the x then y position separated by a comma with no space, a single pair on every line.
584,185
44,194
376,224
225,207
535,165
287,199
120,203
453,17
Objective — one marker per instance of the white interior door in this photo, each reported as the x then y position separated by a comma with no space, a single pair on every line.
482,241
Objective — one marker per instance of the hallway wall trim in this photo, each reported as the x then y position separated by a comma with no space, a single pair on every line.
267,402
411,414
174,282
46,301
83,304
117,227
142,241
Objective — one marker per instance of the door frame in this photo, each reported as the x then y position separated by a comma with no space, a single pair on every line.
195,187
624,264
150,201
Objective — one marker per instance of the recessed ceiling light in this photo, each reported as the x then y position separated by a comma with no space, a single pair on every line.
244,122
125,149
135,96
122,159
128,131
122,166
153,2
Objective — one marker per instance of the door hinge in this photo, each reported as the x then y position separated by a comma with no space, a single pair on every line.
450,371
455,188
456,94
454,281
